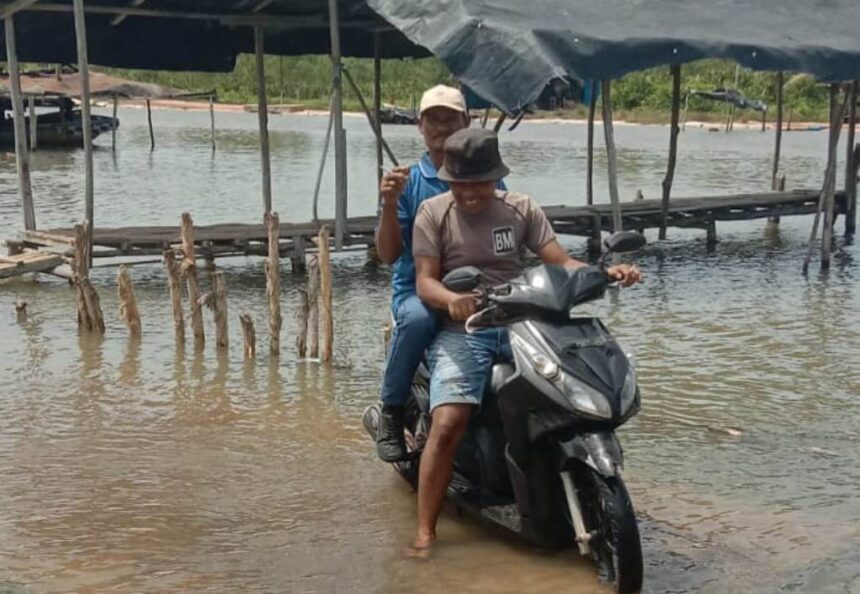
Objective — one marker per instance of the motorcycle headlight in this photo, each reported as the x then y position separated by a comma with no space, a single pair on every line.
585,399
628,391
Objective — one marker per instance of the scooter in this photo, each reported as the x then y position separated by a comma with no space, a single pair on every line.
540,457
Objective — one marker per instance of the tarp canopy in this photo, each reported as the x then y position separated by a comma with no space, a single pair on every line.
509,50
69,85
200,35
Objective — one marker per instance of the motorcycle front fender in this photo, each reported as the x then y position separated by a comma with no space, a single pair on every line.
600,450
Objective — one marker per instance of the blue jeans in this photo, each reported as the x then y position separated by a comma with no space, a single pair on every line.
460,364
415,326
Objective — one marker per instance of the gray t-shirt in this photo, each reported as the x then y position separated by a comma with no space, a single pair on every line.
492,240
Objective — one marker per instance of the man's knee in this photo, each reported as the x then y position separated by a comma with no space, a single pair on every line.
449,423
417,319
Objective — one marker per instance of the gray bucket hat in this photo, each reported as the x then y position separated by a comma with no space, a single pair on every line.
472,155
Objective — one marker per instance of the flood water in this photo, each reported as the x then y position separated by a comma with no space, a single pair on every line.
133,466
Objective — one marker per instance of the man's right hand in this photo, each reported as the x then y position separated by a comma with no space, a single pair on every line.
462,306
392,186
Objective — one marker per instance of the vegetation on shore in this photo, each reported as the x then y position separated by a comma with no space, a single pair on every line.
639,96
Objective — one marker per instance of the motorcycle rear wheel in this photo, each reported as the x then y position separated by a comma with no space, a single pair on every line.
609,517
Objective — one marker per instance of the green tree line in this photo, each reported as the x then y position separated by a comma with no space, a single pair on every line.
645,95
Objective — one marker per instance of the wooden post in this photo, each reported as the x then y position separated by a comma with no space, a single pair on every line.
321,168
327,331
829,183
297,259
249,335
263,118
851,164
212,120
777,147
686,108
673,149
313,343
174,284
711,229
377,130
610,155
86,120
149,121
87,299
302,319
377,102
189,268
113,124
219,307
589,153
34,124
128,309
596,235
340,208
836,127
22,157
764,119
273,283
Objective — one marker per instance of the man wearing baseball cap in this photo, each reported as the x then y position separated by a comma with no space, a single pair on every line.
475,224
442,112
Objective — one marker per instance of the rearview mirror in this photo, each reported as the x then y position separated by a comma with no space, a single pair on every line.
624,241
463,279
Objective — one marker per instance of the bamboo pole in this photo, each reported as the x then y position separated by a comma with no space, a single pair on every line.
219,307
34,124
212,120
313,343
149,122
377,102
86,119
174,284
189,268
113,124
249,334
263,118
673,149
609,135
340,209
589,153
22,157
273,283
327,329
302,321
128,309
851,164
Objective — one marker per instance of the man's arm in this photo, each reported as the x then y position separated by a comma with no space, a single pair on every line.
553,253
432,292
389,238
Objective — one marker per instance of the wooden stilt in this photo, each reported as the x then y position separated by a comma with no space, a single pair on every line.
113,124
174,284
377,102
327,330
297,259
212,120
610,155
321,168
340,209
263,117
87,299
273,283
22,157
302,323
219,307
836,128
686,108
128,309
589,153
86,119
673,148
313,343
149,122
189,269
851,163
34,125
249,334
711,233
594,246
777,147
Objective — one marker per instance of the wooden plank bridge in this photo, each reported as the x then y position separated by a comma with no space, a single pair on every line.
232,239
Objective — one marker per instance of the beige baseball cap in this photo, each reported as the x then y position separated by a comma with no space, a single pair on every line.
442,96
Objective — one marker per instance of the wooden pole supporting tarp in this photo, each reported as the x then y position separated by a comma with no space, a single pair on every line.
321,168
777,143
128,309
836,128
22,157
212,120
149,123
263,117
86,119
609,135
174,284
189,268
273,282
673,149
113,124
34,124
589,151
851,163
377,102
327,325
340,208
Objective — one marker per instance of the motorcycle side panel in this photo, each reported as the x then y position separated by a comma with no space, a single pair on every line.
600,450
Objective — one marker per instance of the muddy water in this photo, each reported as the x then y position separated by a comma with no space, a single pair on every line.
132,466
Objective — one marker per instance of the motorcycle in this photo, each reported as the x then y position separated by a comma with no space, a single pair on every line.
540,457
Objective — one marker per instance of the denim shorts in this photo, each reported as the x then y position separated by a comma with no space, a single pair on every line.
460,364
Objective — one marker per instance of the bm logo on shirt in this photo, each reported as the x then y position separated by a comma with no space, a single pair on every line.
503,240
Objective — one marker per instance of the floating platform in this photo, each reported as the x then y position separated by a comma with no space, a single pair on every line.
233,239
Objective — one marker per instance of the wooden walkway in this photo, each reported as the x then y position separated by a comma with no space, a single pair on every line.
250,239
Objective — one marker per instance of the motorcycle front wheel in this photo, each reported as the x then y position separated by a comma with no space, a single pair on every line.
611,522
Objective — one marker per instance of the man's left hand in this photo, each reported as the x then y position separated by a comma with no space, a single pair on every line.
625,274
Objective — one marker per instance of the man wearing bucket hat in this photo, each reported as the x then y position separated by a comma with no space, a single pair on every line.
474,224
442,112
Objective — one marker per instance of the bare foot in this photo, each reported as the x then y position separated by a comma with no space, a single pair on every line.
421,549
